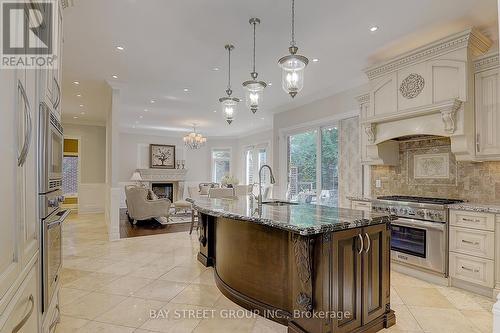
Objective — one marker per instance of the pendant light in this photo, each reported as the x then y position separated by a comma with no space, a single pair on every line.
254,89
293,65
228,103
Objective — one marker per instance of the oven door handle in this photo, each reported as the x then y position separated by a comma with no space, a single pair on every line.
59,221
419,224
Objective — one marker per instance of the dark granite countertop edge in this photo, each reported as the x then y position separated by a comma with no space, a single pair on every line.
304,231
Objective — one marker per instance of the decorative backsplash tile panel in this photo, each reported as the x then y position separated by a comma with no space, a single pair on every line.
422,172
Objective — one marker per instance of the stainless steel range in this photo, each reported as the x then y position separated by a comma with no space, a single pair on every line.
420,234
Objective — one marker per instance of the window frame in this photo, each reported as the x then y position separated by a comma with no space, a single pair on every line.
255,155
212,161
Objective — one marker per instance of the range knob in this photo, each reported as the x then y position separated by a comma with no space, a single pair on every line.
394,210
403,211
60,198
52,203
420,213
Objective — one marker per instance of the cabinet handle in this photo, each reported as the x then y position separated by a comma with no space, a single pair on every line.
469,242
27,118
56,320
470,269
478,143
18,327
361,246
58,100
369,242
470,220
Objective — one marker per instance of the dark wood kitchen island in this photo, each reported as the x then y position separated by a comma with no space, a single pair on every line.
313,268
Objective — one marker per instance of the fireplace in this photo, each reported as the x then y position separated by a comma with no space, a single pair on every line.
163,190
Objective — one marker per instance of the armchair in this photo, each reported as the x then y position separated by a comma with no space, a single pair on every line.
139,207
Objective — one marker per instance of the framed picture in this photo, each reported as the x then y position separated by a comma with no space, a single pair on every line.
161,156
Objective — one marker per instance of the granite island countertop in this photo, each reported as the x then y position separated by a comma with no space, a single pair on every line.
303,219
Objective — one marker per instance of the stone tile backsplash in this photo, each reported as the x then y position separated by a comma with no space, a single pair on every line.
470,181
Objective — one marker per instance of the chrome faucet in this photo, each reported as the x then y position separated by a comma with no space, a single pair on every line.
259,198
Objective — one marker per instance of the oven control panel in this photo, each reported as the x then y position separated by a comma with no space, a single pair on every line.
435,215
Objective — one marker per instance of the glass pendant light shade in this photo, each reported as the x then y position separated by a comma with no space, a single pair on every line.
292,73
254,90
293,65
229,107
254,94
229,104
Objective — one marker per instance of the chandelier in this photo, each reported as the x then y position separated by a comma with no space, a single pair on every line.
228,103
254,89
293,65
194,140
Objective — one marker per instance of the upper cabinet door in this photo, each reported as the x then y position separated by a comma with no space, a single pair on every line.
487,113
383,96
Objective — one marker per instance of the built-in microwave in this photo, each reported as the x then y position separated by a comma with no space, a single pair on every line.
50,150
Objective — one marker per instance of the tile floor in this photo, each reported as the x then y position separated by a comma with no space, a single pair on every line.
112,286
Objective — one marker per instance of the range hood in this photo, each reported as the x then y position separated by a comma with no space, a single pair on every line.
428,91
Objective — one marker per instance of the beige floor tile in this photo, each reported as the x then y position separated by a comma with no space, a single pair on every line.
120,268
70,324
404,319
152,270
197,294
418,296
133,312
460,299
69,295
185,274
69,275
177,318
435,320
221,325
92,305
207,277
161,290
263,325
482,320
97,327
125,285
395,299
398,279
93,281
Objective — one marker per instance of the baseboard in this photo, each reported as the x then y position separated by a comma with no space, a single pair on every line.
474,288
420,274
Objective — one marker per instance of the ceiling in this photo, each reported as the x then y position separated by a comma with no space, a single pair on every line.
175,44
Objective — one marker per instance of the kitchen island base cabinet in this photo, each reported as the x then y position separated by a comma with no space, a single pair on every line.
328,282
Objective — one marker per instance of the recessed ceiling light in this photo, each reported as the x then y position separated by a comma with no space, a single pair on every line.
374,28
146,110
76,83
270,84
120,48
215,69
215,111
315,60
136,122
78,95
152,101
75,117
140,117
262,118
82,113
81,105
185,89
115,76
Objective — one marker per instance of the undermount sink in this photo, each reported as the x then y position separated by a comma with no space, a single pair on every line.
279,203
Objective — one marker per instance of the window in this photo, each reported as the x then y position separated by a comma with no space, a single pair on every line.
221,163
254,157
313,165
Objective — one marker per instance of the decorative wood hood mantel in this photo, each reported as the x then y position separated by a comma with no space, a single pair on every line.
428,91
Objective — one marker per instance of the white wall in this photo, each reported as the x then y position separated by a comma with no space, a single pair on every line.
309,115
92,159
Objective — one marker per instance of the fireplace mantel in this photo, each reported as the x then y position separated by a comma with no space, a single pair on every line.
163,175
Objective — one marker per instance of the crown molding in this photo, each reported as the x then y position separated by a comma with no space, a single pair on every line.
486,62
362,99
470,38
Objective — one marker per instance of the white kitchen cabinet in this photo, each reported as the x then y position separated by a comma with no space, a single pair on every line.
487,114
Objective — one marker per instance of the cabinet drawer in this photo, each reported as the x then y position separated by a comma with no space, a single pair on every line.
473,242
474,220
52,317
21,314
361,205
472,269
